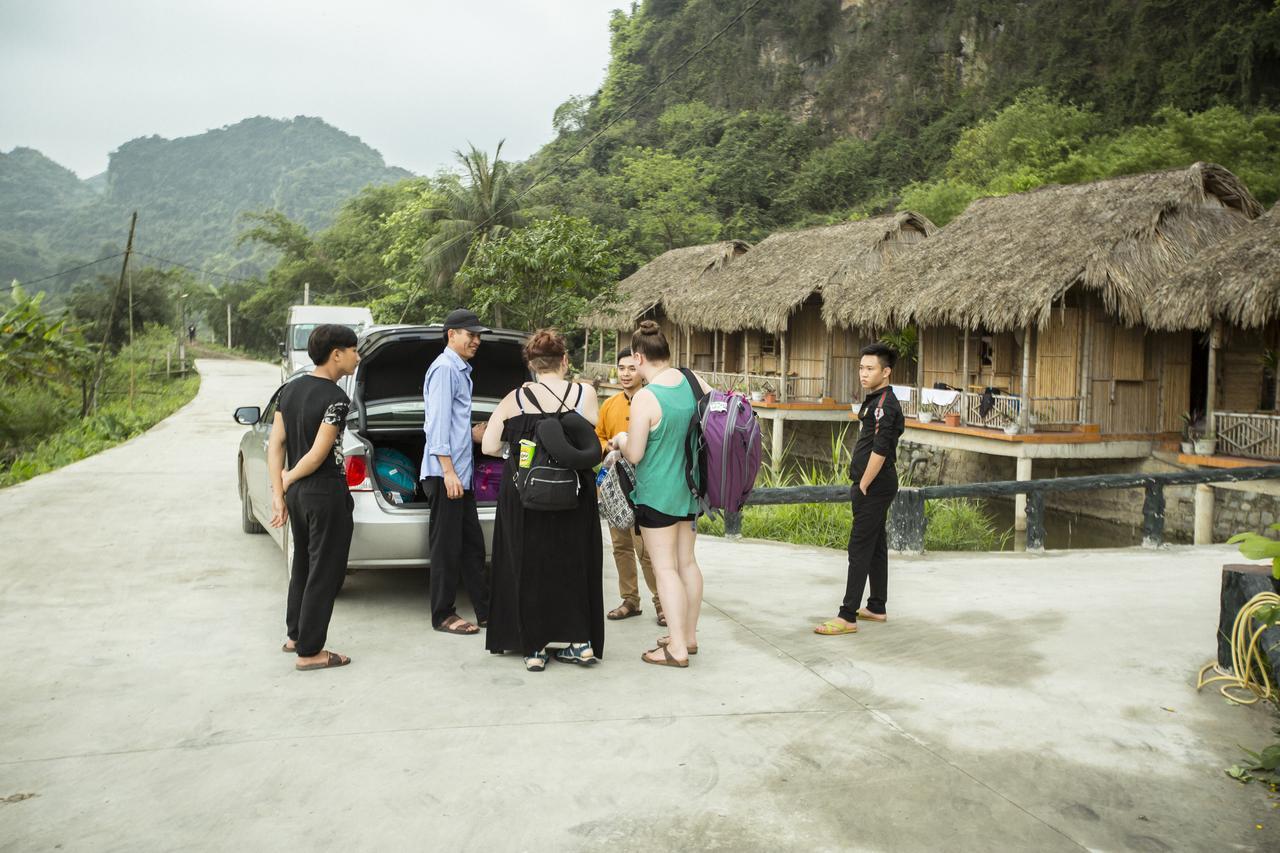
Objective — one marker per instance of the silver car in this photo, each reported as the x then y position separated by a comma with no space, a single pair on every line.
386,412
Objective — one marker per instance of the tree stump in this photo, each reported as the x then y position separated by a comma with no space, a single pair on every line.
1241,582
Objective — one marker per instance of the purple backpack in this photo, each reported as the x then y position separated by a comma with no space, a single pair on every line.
722,448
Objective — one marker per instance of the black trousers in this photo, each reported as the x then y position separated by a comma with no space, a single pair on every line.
868,553
457,552
320,524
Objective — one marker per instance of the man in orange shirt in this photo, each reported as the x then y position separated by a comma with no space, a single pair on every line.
615,415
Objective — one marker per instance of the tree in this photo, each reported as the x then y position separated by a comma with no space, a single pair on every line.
155,300
667,199
541,275
470,211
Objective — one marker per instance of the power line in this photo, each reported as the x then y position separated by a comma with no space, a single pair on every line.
192,268
589,142
12,285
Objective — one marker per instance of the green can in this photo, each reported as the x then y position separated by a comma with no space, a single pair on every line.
526,452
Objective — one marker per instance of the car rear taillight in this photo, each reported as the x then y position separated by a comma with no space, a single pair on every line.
357,474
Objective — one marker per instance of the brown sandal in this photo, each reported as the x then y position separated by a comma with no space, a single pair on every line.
332,661
670,661
665,641
455,624
662,617
625,610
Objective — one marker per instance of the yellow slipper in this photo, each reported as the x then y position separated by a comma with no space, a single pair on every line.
833,627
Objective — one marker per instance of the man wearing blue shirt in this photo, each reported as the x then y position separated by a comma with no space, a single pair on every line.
455,539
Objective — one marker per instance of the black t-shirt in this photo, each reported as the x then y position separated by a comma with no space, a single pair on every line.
880,427
305,403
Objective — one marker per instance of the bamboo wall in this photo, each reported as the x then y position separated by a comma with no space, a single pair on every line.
1242,375
807,349
942,354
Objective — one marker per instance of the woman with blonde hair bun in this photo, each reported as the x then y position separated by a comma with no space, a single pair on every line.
666,510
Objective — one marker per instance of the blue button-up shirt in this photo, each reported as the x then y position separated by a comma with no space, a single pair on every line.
446,393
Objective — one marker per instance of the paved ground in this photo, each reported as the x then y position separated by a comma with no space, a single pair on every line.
1013,703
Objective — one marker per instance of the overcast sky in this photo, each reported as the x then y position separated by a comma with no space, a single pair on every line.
415,79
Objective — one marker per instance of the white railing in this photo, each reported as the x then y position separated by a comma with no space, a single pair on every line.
1252,434
1005,410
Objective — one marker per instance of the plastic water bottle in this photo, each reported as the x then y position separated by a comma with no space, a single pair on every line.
604,472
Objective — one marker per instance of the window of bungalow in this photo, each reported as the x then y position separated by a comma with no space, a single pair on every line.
768,344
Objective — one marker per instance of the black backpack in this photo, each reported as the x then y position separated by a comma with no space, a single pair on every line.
545,484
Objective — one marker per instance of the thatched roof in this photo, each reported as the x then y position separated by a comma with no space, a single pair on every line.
1005,262
672,271
776,277
1237,279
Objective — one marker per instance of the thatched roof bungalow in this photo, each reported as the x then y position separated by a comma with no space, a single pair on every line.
763,316
1049,295
671,272
783,271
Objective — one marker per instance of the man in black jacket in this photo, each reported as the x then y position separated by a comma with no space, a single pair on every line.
875,484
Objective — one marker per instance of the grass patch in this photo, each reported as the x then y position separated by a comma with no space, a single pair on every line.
45,431
954,524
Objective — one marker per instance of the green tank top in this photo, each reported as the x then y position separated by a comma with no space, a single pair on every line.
660,476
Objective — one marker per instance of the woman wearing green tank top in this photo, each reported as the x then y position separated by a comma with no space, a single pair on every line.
665,509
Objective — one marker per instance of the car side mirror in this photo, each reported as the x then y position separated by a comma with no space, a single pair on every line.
248,415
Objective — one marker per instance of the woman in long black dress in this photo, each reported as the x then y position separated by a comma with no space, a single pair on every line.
546,584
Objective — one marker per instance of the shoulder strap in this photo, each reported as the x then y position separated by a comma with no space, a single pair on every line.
561,404
578,402
528,392
694,385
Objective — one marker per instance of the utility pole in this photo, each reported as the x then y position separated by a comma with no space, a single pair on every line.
111,314
306,293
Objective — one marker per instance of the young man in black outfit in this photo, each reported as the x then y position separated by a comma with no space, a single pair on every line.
311,495
875,484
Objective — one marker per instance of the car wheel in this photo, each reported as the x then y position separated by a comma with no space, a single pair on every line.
248,523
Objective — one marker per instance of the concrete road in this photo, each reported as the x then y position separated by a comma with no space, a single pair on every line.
1012,703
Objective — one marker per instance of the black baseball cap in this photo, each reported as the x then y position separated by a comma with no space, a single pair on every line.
461,318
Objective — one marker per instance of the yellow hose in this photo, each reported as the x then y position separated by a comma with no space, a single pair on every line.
1246,657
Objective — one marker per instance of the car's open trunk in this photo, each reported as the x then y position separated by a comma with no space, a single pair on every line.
411,442
388,387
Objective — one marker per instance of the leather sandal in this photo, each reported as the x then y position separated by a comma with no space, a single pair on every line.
665,641
625,610
669,659
457,625
330,662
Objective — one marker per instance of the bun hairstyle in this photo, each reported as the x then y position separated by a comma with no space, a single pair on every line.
544,351
649,342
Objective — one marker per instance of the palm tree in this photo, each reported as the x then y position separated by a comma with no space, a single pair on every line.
478,207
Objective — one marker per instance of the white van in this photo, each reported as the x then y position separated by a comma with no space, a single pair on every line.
304,318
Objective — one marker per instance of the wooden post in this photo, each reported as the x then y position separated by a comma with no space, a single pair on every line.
776,447
964,380
111,315
586,347
1035,520
919,360
602,348
1203,529
733,525
1211,395
828,369
746,355
617,344
782,365
688,347
715,350
1020,500
228,325
1086,360
907,522
1153,516
1024,415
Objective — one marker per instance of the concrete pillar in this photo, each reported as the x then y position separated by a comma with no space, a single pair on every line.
1020,501
776,447
1204,515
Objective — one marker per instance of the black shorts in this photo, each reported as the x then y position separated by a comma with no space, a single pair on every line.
647,516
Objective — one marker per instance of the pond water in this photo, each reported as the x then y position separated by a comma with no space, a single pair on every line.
1064,530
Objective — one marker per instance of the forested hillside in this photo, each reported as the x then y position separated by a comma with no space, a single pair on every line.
189,194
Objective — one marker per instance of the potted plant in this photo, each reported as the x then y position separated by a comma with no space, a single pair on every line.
1189,432
952,419
770,397
1011,428
925,413
757,396
1205,445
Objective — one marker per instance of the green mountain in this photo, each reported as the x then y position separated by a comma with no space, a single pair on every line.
189,194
